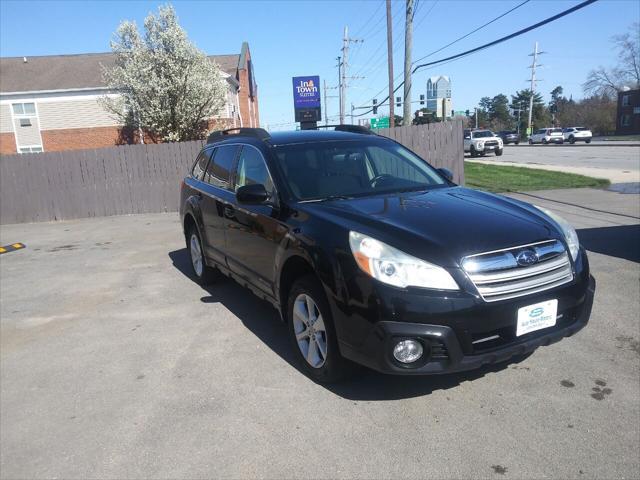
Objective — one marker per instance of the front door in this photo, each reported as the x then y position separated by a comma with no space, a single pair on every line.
254,231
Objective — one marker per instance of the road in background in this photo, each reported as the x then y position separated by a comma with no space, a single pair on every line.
115,364
619,164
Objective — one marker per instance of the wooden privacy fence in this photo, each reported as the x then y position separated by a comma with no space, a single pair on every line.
440,144
130,179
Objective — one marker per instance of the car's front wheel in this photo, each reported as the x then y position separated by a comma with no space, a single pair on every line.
203,273
312,332
499,152
473,152
587,141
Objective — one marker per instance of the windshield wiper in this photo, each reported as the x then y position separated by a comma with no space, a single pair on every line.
329,197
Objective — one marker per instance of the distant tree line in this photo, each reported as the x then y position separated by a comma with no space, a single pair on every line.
596,111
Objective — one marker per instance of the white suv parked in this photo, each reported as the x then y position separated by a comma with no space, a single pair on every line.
546,135
480,142
577,134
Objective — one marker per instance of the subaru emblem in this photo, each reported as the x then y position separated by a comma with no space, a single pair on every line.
526,258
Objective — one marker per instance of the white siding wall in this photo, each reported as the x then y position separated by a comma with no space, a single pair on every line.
5,119
69,113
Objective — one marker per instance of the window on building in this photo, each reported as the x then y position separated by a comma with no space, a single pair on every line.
24,108
31,149
219,169
625,100
626,120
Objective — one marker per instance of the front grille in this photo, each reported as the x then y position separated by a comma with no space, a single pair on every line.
491,143
499,276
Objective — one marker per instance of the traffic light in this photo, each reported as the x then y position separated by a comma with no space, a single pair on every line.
467,112
398,101
375,106
421,99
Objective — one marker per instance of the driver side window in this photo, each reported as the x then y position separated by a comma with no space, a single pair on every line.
252,169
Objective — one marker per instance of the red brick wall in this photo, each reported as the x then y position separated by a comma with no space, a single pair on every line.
7,144
244,100
79,138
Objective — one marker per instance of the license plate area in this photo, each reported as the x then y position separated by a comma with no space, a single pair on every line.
536,317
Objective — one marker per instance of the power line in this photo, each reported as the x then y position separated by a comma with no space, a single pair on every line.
370,18
493,43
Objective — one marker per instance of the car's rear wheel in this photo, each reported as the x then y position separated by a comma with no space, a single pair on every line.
203,273
544,141
572,139
530,142
587,141
518,142
312,333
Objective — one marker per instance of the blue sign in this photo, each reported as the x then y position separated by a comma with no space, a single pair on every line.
306,92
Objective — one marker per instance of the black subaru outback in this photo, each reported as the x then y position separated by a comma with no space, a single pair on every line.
374,257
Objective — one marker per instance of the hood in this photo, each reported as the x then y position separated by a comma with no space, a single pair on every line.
441,225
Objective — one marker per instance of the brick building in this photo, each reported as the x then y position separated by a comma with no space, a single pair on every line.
51,103
628,113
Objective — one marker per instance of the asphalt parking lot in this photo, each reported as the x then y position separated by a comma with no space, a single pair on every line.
115,364
618,163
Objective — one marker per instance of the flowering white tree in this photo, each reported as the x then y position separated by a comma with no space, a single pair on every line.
168,88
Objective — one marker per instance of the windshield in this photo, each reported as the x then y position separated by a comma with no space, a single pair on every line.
482,134
318,170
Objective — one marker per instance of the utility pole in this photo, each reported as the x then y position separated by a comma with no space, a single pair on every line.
346,41
476,115
392,122
533,83
340,103
408,41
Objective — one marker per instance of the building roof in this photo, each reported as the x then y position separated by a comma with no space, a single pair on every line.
437,79
63,72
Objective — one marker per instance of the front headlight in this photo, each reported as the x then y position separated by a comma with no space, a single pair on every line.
480,145
568,231
391,266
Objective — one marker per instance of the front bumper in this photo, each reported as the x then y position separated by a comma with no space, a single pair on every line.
450,329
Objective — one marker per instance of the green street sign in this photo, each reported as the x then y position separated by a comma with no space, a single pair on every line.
380,122
459,113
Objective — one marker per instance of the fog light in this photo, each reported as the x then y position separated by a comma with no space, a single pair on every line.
407,351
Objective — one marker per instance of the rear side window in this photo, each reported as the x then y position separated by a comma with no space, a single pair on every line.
219,170
252,169
201,164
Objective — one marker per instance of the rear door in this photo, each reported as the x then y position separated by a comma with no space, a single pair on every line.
254,231
217,195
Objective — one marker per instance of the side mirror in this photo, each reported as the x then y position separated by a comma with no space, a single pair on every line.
467,137
446,173
252,194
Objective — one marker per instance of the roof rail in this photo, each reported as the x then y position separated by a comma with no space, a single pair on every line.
260,133
349,128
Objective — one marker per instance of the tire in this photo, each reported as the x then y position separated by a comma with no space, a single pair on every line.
307,295
473,152
499,152
204,274
572,139
561,141
530,142
544,141
518,142
587,141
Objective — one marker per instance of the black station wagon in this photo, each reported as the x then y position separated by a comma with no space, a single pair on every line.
374,257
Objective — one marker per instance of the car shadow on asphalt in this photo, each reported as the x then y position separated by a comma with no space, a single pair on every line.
621,241
263,320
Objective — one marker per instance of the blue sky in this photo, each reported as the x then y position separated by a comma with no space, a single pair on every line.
293,38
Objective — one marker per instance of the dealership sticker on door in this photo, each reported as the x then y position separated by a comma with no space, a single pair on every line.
537,316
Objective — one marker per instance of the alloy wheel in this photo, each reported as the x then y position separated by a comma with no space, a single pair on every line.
309,328
196,255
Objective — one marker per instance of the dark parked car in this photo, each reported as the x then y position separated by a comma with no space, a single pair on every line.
374,257
509,136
